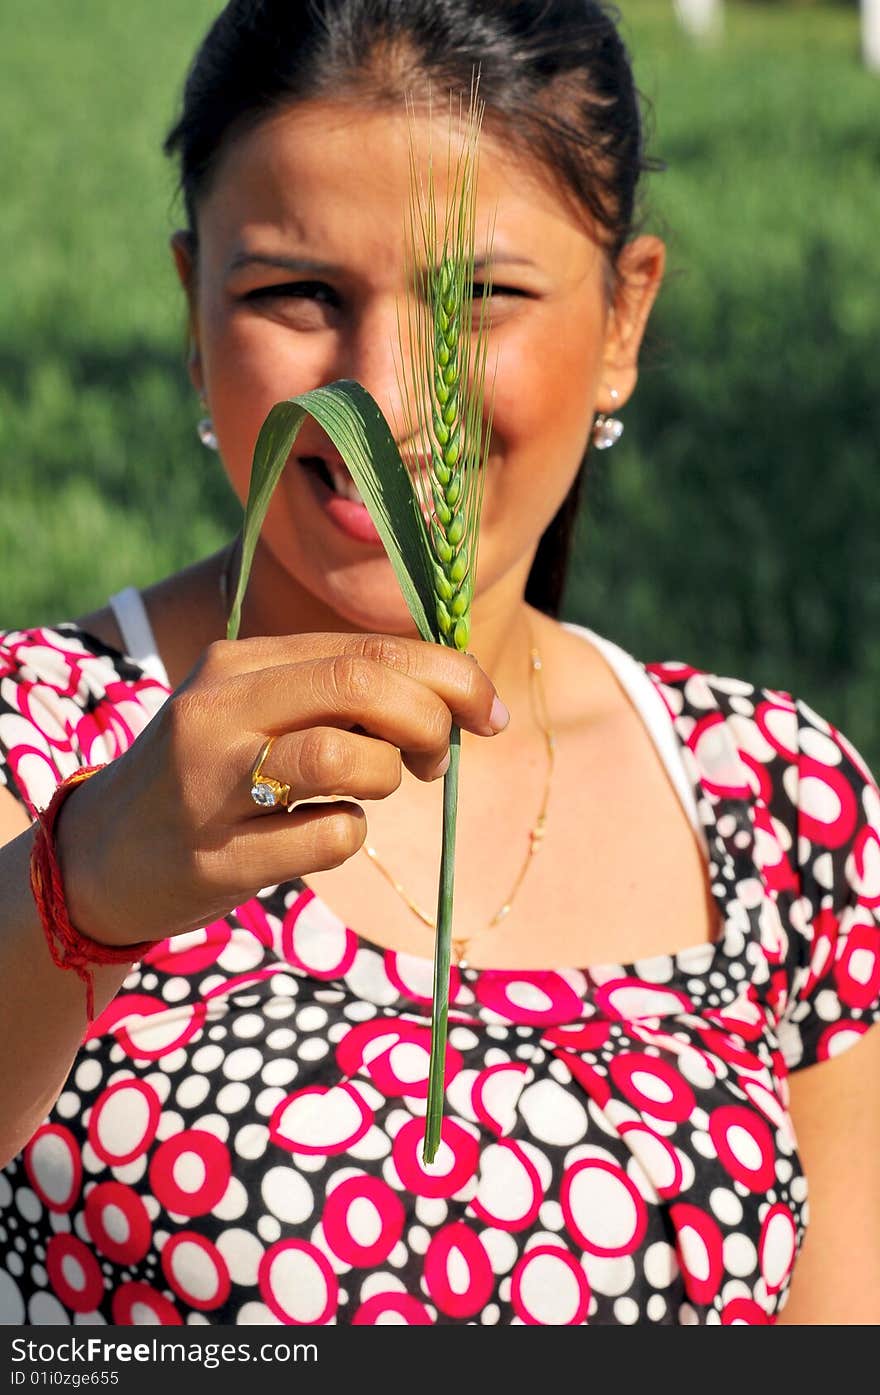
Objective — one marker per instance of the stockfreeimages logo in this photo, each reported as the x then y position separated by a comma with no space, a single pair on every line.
96,1350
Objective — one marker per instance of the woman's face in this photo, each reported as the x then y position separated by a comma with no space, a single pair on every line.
299,280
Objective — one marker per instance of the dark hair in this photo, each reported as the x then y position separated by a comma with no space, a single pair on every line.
554,75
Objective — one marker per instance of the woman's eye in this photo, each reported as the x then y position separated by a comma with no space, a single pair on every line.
299,290
495,290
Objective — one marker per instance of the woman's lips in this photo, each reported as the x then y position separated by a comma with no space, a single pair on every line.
348,517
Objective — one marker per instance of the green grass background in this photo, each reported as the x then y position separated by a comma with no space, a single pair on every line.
736,524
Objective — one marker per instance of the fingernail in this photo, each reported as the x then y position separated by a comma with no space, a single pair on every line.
499,716
443,766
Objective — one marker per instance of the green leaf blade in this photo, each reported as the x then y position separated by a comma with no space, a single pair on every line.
353,420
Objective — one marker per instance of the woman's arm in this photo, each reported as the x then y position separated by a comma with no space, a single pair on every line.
42,1008
835,1107
157,843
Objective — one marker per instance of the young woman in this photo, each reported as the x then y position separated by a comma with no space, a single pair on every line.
660,1038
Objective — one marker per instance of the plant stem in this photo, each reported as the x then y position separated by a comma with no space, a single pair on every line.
442,952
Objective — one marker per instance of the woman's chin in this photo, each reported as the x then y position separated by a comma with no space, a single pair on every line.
375,610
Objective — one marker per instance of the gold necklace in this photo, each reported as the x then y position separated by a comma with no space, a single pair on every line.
536,833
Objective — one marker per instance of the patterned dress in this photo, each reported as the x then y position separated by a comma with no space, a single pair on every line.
239,1139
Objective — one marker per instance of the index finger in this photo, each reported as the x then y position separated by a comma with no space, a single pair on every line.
456,678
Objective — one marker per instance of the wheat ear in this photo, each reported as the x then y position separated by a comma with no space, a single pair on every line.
445,384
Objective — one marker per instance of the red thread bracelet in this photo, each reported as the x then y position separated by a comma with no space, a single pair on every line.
69,948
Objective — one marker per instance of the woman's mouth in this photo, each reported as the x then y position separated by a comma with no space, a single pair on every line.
338,497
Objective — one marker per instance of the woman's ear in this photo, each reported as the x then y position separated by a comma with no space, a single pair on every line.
183,249
639,273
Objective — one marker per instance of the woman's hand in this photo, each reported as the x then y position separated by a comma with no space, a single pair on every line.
167,838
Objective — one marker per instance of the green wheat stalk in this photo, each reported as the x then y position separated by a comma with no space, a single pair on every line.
427,515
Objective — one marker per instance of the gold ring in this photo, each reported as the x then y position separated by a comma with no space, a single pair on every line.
266,792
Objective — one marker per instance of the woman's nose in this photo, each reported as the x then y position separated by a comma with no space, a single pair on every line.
377,354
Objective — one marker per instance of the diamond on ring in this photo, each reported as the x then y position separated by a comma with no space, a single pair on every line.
266,792
264,795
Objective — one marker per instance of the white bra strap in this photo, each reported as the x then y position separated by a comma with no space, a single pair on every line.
137,633
651,707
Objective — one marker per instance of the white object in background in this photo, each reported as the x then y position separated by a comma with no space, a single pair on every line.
703,19
871,34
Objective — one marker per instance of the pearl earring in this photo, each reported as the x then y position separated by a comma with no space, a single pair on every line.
205,428
607,430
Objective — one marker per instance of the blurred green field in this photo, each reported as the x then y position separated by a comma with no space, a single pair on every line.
735,526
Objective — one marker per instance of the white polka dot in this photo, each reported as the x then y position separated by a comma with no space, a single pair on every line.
603,1207
381,1282
651,1086
778,1248
367,979
241,954
287,1195
68,1105
194,1270
298,1284
207,1059
726,1205
279,1073
311,1019
549,1290
419,1239
656,1307
626,1311
250,1024
158,1082
175,990
551,1216
744,1148
281,1039
703,1144
312,1049
233,1203
45,1311
553,1114
268,1229
695,1069
740,1255
827,1003
242,1252
28,1203
217,1124
309,1162
661,1264
278,1009
242,1063
268,1100
818,799
609,1276
251,1141
734,1288
655,970
431,1210
501,1248
192,1091
256,1315
233,1097
87,1076
12,1310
